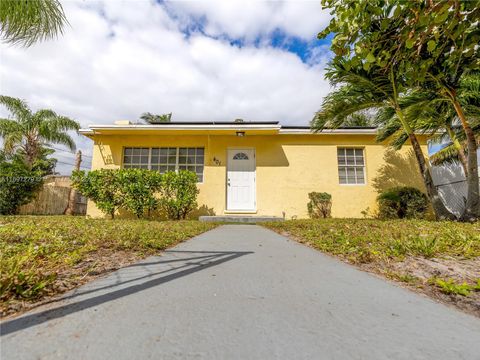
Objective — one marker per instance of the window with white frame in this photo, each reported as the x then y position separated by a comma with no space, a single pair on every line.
351,166
165,159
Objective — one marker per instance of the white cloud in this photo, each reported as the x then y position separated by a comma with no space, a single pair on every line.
253,19
119,59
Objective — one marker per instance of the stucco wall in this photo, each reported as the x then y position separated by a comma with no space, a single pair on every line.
288,168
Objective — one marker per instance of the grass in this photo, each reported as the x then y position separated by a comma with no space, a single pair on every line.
438,259
366,241
450,286
37,253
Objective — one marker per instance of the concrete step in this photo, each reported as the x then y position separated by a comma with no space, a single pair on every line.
239,219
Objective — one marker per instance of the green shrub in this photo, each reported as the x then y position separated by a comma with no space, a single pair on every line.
449,286
139,191
138,188
402,202
18,184
179,194
102,187
320,205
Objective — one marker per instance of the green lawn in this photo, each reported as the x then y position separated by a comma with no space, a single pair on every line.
440,259
364,240
42,256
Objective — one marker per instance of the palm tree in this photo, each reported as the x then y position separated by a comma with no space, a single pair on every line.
362,90
27,22
29,133
156,119
450,90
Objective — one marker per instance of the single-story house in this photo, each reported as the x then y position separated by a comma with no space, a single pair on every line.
260,168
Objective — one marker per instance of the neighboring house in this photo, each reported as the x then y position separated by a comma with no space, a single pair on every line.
452,185
260,168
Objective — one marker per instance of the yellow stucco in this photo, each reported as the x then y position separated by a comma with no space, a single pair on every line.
288,167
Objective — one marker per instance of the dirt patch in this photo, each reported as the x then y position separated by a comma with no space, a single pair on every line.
95,265
458,269
420,274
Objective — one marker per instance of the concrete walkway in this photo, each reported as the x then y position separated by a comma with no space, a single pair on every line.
242,292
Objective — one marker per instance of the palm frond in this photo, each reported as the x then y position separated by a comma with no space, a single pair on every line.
446,155
359,119
27,22
17,107
388,130
398,140
62,139
12,141
341,72
8,126
341,104
45,114
60,123
155,118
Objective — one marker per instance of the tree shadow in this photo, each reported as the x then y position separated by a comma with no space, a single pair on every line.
203,210
186,267
399,169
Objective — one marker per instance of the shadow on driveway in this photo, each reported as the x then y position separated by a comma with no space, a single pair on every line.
188,265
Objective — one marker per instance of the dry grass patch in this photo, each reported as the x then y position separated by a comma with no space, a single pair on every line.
43,256
440,259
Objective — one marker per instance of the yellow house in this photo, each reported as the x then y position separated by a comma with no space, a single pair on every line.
260,168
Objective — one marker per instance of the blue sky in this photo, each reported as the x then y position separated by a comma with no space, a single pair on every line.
199,60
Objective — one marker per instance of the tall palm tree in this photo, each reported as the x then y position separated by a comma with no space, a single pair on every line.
362,90
156,119
25,22
28,133
450,89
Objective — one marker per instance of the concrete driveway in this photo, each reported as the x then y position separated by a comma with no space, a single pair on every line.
242,292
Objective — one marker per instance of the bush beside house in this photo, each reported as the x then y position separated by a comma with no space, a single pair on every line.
139,191
402,202
320,205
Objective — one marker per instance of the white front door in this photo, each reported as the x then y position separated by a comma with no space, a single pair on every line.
241,180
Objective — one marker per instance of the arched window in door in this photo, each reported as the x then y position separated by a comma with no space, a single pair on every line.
240,156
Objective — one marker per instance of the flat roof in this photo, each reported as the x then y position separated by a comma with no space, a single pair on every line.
173,123
220,128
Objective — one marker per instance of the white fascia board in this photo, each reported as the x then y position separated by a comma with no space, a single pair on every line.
186,127
86,131
329,131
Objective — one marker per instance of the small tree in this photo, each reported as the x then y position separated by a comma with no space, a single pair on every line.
100,186
179,194
18,184
138,188
29,133
320,205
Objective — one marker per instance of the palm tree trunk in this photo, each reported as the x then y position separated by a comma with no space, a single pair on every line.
72,196
472,207
439,208
459,148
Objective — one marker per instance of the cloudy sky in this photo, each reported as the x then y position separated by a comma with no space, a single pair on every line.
200,60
